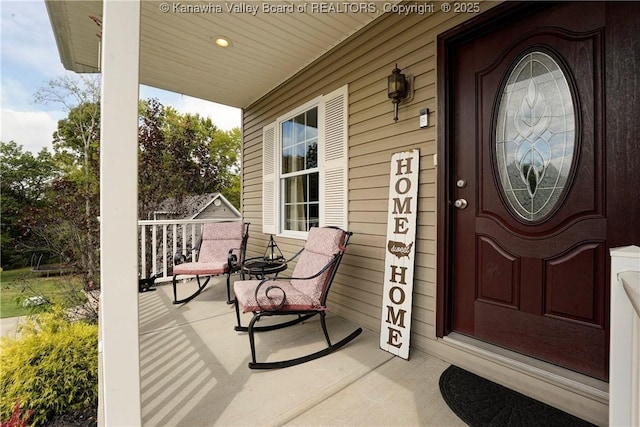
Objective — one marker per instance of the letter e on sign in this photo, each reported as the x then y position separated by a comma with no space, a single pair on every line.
397,297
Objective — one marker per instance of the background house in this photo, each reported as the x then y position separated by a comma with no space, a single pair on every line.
203,206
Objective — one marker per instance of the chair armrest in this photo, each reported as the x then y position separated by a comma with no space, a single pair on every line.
232,260
179,258
294,256
270,288
284,294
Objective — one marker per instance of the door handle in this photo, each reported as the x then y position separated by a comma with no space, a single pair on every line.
460,203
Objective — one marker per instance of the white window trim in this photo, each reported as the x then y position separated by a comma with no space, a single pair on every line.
334,189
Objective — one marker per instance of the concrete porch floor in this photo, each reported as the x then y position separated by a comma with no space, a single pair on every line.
194,372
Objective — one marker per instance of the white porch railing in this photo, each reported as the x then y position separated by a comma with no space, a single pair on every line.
159,240
624,357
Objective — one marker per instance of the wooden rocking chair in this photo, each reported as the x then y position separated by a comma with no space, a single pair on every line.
304,294
221,250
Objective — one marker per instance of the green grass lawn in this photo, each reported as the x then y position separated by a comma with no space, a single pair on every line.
17,285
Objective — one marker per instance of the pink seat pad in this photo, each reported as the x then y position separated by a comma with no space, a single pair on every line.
296,300
200,268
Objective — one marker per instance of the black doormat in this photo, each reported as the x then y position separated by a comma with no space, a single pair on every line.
480,402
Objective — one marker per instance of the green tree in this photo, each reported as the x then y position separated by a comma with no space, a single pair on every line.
24,183
182,155
76,151
179,155
76,200
228,145
153,184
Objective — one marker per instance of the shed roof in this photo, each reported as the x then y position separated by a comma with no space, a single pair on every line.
191,207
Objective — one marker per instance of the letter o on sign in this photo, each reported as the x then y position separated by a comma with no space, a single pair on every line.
396,291
407,185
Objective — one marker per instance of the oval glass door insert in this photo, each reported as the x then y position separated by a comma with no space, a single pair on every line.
535,136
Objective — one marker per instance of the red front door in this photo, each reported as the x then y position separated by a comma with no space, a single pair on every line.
529,185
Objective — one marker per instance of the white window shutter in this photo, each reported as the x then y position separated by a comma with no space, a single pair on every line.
269,179
335,156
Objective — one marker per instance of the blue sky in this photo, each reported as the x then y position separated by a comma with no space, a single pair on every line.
29,60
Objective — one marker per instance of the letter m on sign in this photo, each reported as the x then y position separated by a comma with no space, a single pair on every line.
395,326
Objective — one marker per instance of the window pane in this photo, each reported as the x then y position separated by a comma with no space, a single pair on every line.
314,215
301,202
287,160
295,218
295,189
299,126
287,134
314,187
295,202
312,154
312,123
312,138
300,142
299,158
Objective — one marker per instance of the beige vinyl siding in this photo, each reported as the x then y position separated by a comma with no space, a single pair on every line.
364,62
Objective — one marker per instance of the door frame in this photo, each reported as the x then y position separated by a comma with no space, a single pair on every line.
447,44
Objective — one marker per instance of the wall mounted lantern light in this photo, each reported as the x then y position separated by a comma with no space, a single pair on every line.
397,89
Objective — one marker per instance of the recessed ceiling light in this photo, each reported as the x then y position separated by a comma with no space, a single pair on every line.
222,41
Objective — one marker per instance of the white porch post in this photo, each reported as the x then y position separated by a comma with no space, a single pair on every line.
624,353
120,374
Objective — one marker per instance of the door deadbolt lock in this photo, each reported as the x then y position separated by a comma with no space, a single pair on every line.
461,183
460,204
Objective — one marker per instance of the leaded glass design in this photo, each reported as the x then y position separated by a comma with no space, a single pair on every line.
535,136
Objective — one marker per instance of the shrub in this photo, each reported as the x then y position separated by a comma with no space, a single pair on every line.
51,367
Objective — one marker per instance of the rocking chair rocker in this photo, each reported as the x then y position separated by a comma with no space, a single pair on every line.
304,294
221,250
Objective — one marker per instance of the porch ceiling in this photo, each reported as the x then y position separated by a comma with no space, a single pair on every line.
177,51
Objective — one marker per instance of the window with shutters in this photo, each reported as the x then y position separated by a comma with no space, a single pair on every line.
305,167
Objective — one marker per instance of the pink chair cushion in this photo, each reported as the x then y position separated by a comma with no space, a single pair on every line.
308,265
324,241
200,268
217,239
296,300
321,246
223,231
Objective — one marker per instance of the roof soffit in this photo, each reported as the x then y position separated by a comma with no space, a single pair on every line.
177,52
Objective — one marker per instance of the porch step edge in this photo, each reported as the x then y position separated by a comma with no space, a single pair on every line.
574,382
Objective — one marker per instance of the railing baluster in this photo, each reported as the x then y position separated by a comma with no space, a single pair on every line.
143,251
174,247
193,241
184,238
154,249
164,250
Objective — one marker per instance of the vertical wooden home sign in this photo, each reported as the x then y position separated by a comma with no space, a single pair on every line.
395,330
